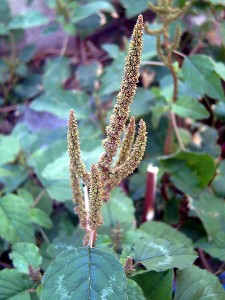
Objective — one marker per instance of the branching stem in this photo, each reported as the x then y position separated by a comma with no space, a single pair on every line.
38,199
175,89
91,232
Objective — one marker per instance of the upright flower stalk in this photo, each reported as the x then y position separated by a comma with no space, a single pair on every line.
167,14
107,174
125,97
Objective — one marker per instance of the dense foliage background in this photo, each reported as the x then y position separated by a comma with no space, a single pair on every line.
76,62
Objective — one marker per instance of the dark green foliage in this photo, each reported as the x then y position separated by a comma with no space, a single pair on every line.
41,253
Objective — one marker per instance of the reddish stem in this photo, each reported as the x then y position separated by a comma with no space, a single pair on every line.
151,179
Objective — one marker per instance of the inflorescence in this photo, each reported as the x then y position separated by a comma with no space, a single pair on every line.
107,174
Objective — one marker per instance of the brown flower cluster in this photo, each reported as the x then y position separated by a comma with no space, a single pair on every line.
107,174
166,14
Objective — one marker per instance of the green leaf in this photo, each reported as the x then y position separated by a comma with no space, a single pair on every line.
3,29
162,247
4,172
160,254
112,49
84,11
156,285
87,75
70,29
56,72
218,182
27,53
220,69
133,8
59,169
52,102
14,285
15,219
137,186
25,195
39,217
215,248
199,72
112,76
9,148
209,137
197,169
88,25
119,211
29,87
219,110
134,292
22,70
28,20
160,108
163,230
185,136
194,283
16,175
85,273
211,211
4,11
146,98
149,47
66,242
57,189
187,107
52,164
25,254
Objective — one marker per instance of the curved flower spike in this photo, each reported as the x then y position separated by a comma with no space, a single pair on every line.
76,164
132,162
124,98
127,143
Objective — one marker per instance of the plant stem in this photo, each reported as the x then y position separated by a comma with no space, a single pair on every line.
151,180
175,88
44,236
176,130
179,53
86,201
38,199
8,109
153,63
91,232
13,46
220,270
92,238
204,260
65,45
31,291
174,76
5,265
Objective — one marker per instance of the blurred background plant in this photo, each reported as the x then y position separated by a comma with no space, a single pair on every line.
57,55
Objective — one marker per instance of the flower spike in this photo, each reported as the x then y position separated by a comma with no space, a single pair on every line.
124,98
76,164
106,174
